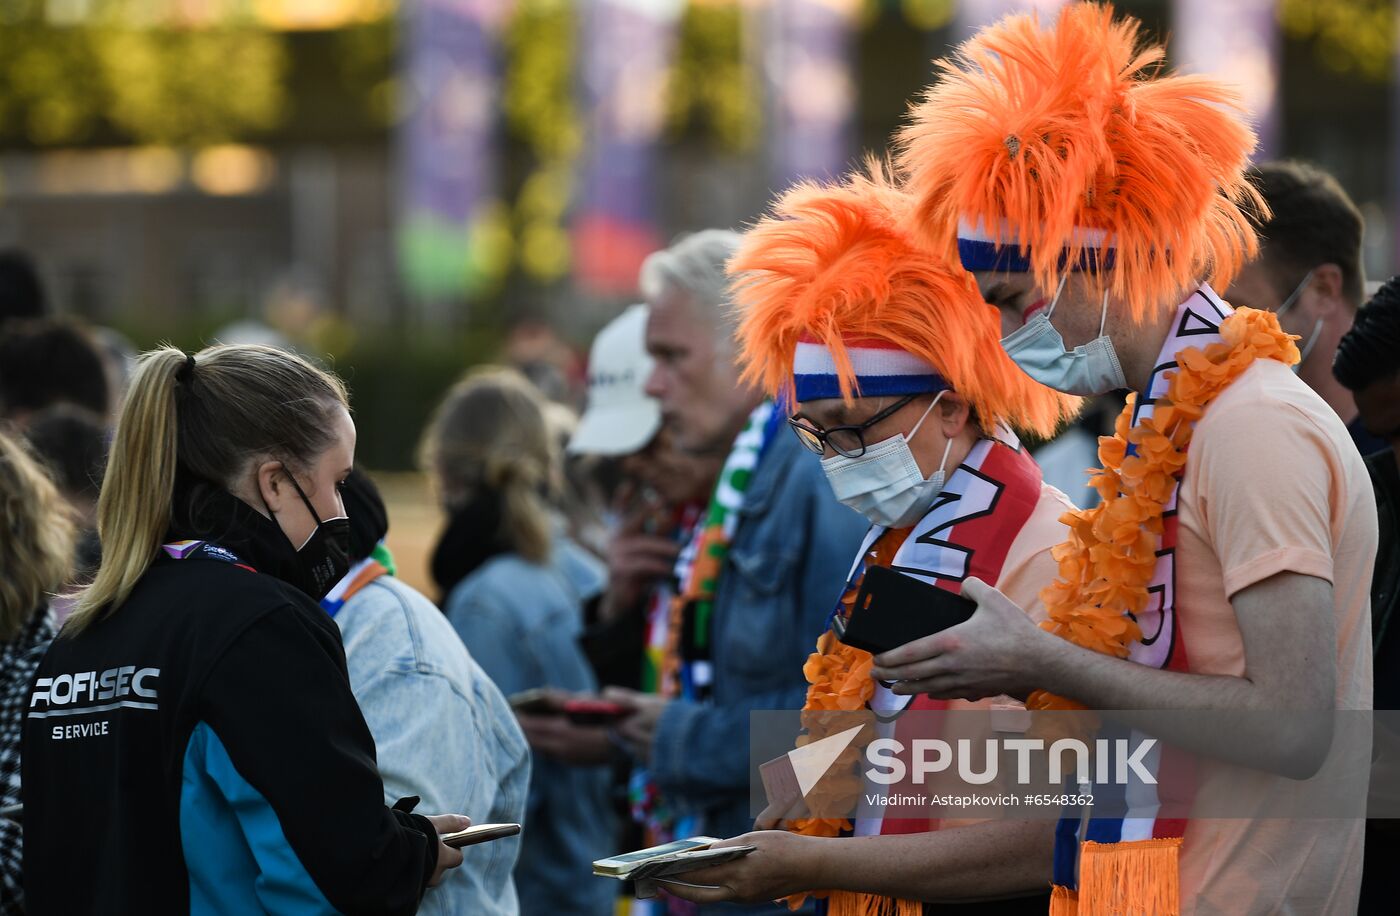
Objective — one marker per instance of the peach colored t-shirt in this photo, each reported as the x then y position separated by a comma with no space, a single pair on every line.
1273,484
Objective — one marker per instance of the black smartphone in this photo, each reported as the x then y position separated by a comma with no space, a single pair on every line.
480,833
892,609
537,701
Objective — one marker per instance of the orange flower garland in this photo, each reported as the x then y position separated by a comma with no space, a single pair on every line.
1108,561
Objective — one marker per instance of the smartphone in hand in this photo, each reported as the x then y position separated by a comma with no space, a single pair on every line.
479,833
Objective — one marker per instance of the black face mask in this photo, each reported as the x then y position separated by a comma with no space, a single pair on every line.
324,558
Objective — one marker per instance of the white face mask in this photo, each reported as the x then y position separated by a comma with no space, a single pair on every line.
1288,304
885,484
1039,350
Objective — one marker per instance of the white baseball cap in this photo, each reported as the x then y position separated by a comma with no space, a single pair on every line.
620,418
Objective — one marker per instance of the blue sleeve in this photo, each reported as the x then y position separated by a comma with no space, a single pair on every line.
693,751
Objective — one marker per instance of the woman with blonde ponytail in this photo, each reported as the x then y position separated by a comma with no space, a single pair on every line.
514,587
191,741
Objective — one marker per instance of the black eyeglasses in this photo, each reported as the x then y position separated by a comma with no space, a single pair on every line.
847,441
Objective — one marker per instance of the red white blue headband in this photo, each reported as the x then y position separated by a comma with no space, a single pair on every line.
982,249
880,367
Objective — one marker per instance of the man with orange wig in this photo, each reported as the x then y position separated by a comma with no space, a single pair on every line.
899,383
1093,196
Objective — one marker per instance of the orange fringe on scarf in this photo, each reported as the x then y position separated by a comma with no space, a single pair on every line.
1075,125
833,262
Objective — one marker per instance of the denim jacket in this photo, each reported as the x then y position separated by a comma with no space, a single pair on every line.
783,575
522,621
442,731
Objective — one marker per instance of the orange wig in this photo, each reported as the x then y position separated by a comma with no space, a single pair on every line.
1038,132
833,264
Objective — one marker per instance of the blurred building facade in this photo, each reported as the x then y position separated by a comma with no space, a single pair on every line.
437,162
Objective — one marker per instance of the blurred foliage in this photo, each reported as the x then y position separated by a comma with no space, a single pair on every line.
1351,35
539,89
713,89
51,85
542,117
365,55
391,405
66,85
192,88
928,14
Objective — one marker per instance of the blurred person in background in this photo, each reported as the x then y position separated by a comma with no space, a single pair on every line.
582,484
1309,273
756,580
36,557
1368,364
48,361
442,730
514,588
72,443
662,494
198,695
618,424
21,290
118,359
535,349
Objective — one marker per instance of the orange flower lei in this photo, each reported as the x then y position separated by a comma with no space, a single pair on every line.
1108,561
840,686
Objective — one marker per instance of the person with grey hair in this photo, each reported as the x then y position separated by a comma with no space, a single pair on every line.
756,580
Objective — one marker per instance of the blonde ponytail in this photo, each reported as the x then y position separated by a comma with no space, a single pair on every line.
209,417
521,481
133,509
490,434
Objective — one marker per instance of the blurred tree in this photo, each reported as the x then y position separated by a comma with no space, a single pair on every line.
713,90
51,87
1351,35
541,116
111,78
192,87
366,55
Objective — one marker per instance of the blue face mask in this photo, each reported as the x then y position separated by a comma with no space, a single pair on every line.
1317,327
1039,350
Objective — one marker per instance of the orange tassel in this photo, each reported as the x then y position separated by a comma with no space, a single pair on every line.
845,903
1138,878
1063,902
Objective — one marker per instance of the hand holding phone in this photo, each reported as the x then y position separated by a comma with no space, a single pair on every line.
893,609
538,701
594,711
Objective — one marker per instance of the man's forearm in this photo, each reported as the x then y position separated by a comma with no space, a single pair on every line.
1104,682
1293,748
978,862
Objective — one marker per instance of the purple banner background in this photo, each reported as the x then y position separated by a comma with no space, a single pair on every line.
626,50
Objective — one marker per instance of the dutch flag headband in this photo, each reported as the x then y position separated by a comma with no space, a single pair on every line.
980,249
880,367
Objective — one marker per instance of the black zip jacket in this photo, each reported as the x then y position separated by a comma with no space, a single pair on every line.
199,750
